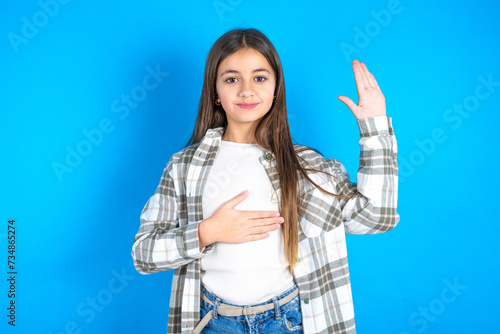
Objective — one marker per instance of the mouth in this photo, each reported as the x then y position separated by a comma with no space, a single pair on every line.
247,105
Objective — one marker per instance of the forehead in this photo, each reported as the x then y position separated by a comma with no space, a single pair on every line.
244,60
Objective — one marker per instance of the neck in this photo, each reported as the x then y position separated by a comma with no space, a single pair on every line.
242,134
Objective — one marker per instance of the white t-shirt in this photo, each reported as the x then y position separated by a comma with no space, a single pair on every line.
250,272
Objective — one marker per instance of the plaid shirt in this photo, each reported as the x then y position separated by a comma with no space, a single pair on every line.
168,232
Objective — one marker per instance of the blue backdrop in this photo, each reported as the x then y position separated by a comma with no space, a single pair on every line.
97,95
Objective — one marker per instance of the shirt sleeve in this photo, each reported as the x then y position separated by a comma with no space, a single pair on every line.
373,209
161,243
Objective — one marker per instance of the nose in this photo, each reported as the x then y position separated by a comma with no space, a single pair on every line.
246,89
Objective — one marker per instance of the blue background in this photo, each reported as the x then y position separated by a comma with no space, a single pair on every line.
64,69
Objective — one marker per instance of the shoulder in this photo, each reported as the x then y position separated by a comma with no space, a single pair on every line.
186,153
181,159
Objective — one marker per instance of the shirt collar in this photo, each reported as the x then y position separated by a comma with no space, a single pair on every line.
215,133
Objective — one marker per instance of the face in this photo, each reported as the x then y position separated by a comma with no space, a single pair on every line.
245,86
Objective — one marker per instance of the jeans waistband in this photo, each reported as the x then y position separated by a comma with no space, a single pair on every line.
228,309
212,297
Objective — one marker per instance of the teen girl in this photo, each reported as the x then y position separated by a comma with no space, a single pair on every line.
253,224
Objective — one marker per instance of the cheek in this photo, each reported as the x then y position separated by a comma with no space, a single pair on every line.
225,94
225,100
268,96
270,90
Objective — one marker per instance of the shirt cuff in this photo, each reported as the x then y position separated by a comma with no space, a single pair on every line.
375,126
207,249
195,252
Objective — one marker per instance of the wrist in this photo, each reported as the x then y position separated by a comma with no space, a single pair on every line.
204,234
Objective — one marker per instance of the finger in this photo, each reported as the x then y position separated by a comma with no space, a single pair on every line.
260,214
265,222
256,237
364,74
375,81
348,102
359,76
264,229
370,78
237,199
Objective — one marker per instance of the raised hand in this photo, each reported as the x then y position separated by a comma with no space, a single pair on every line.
237,226
371,100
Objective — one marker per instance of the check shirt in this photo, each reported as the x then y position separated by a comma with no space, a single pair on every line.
168,232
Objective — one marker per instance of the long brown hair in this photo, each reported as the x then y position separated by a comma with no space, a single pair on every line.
271,133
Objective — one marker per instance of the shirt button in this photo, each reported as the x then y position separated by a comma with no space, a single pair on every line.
306,301
276,176
299,259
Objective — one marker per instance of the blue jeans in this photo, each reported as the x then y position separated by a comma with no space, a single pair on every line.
286,318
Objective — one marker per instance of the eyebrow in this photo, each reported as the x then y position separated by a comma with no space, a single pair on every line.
256,70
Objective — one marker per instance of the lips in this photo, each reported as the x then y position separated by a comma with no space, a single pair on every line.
247,105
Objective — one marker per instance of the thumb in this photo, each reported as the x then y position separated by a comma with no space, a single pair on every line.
348,102
237,199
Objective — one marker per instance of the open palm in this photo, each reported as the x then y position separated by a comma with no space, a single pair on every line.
371,100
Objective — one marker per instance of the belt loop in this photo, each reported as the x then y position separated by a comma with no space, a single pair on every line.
216,306
277,312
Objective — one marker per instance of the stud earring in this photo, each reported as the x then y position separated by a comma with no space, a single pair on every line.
217,102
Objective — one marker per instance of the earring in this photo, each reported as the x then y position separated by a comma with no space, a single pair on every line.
217,102
274,98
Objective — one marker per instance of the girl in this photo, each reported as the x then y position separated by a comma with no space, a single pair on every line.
253,224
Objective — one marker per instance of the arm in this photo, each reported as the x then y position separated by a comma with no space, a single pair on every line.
161,244
373,209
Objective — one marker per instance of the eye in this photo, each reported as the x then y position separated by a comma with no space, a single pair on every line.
260,79
231,80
